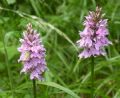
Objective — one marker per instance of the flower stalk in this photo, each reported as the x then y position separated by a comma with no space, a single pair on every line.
34,88
92,77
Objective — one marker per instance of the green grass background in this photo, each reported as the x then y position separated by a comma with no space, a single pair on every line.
58,22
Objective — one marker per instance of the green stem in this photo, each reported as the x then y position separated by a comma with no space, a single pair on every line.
92,77
34,88
8,68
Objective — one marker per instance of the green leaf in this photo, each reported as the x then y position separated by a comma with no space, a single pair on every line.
117,95
11,1
55,85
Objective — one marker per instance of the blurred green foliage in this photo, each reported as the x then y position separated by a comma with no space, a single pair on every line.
58,22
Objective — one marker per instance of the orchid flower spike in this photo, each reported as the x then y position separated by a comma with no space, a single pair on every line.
94,36
32,54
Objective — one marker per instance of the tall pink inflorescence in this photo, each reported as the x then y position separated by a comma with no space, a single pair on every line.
32,54
94,36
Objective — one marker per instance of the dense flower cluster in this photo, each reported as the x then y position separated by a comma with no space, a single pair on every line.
94,36
32,54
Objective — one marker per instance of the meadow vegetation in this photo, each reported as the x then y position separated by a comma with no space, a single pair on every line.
59,23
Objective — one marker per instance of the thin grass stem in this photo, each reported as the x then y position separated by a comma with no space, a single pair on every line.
8,68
